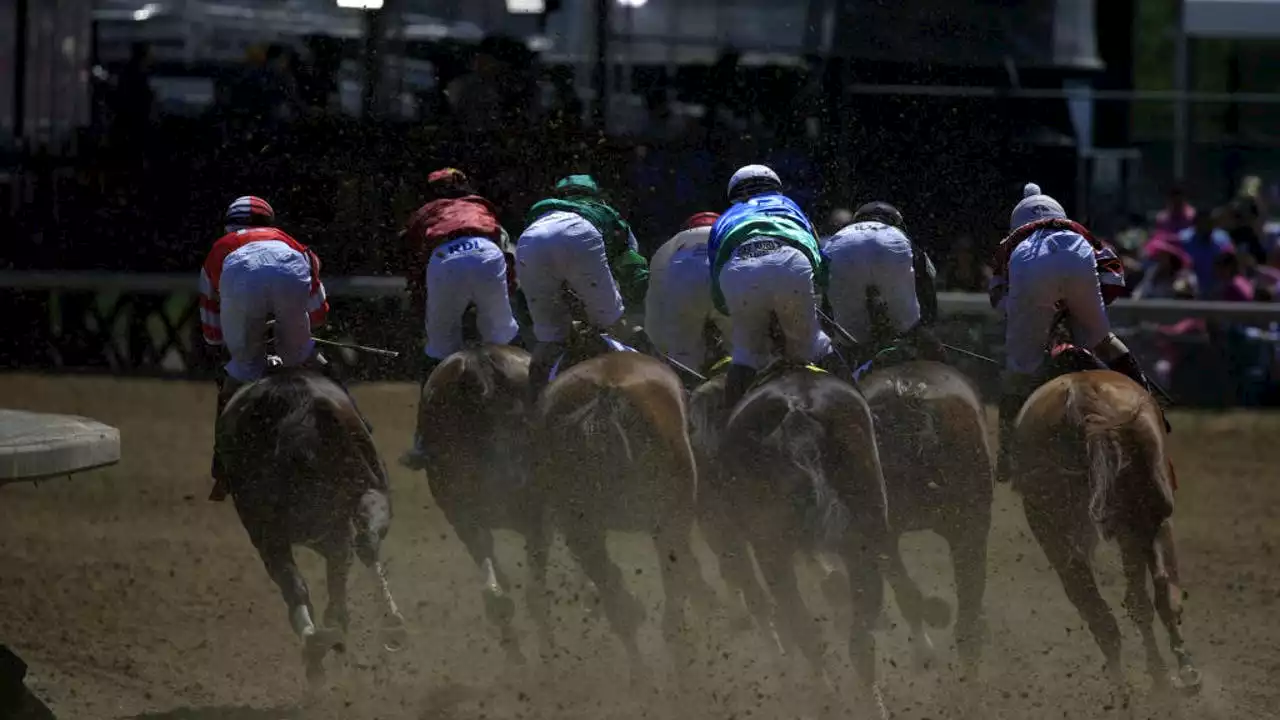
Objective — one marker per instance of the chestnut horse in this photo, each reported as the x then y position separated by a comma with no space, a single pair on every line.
931,429
612,452
1088,458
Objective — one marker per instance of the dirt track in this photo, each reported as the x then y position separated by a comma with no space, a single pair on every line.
131,596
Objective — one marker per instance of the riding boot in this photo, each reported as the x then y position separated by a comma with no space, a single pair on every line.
1010,404
330,369
227,387
737,380
544,357
415,458
1128,365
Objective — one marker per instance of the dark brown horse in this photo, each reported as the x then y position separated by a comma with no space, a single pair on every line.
797,471
1089,461
932,431
613,453
303,470
474,416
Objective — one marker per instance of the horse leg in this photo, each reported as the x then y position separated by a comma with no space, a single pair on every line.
277,556
465,517
537,543
1168,593
866,592
727,543
587,543
1068,553
372,520
337,556
912,602
1136,554
795,621
969,562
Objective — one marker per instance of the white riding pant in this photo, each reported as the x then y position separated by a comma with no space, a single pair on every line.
865,255
779,283
272,280
559,250
461,272
678,305
1047,268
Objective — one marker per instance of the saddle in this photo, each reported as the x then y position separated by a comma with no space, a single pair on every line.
588,346
778,367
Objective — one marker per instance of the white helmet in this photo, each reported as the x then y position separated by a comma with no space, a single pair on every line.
752,180
1035,205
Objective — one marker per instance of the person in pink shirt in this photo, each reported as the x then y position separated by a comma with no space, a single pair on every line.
1232,285
1178,214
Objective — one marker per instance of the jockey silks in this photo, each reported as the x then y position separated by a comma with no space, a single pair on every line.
629,268
441,221
1110,269
772,215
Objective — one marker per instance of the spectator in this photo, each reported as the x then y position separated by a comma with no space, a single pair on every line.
965,271
1232,285
1177,215
1204,242
1245,216
1168,271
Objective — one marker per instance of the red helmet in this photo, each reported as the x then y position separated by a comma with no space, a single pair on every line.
250,211
702,219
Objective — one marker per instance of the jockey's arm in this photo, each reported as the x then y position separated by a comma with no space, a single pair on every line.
631,272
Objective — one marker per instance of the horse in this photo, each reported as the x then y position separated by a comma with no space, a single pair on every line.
303,470
613,453
1089,460
474,406
937,458
798,471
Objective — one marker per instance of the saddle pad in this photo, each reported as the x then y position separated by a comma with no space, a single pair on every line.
613,344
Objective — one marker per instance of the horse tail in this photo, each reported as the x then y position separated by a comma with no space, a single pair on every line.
1105,444
605,419
298,431
798,440
476,379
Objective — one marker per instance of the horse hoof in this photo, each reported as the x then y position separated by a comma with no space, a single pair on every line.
936,612
1187,680
394,639
923,652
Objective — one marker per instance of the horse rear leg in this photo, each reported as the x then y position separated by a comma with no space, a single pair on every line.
372,521
728,543
866,592
277,556
968,542
587,543
1136,552
337,556
1168,593
916,608
1068,552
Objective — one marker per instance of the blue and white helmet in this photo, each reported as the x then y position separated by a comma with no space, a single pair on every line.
752,180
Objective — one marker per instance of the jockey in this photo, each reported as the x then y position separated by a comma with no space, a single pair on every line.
678,307
766,265
1048,261
576,241
457,258
872,260
254,272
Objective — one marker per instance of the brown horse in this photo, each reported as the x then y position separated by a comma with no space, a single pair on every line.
797,471
303,470
473,412
932,431
1089,460
613,453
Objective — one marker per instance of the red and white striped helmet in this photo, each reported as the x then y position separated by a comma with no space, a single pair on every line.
250,211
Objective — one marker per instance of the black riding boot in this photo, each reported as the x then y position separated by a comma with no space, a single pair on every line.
415,458
737,380
1010,404
1128,365
227,387
544,357
330,369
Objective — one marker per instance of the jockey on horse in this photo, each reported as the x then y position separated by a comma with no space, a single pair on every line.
1047,261
678,307
576,241
457,258
872,260
256,271
766,264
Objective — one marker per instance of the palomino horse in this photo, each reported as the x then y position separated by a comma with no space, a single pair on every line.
303,470
799,471
613,453
473,411
1089,460
932,432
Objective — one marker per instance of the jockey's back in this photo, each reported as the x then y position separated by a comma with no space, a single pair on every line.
772,215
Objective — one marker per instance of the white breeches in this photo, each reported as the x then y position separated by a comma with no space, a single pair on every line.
678,306
868,255
1045,269
778,284
562,250
273,281
461,272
